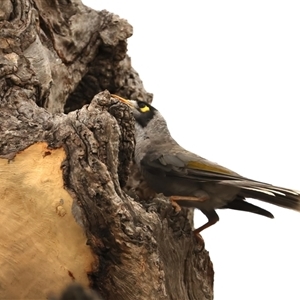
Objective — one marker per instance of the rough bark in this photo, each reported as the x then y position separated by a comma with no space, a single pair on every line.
65,216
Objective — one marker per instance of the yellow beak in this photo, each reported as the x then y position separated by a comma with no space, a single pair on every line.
122,99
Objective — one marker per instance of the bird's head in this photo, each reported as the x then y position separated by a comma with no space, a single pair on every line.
142,111
150,127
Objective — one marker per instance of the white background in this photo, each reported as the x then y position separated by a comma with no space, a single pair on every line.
226,76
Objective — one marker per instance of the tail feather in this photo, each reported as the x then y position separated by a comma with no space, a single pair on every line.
240,204
279,196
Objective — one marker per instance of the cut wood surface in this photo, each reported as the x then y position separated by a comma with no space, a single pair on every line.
39,236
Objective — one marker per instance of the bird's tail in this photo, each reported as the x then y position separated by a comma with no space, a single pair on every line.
279,196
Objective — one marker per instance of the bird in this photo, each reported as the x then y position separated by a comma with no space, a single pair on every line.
190,180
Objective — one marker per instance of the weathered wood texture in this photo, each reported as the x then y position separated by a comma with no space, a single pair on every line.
56,56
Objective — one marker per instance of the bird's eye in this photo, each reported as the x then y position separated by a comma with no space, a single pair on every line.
143,107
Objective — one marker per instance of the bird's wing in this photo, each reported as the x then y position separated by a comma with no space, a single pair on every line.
188,165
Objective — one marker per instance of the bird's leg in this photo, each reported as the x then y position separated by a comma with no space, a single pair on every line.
212,217
177,207
189,198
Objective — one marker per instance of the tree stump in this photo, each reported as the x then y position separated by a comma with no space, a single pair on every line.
66,149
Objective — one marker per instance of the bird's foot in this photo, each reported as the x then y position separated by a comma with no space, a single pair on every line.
175,205
199,240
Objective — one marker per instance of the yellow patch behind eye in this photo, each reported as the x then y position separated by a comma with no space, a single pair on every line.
145,108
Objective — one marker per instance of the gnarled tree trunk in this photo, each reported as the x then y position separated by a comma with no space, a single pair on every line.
64,214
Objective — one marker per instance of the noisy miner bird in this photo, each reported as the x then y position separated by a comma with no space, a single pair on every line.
191,180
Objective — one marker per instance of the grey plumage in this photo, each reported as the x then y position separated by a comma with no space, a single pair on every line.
191,180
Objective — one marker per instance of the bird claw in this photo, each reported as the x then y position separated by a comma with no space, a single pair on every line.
199,239
176,206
